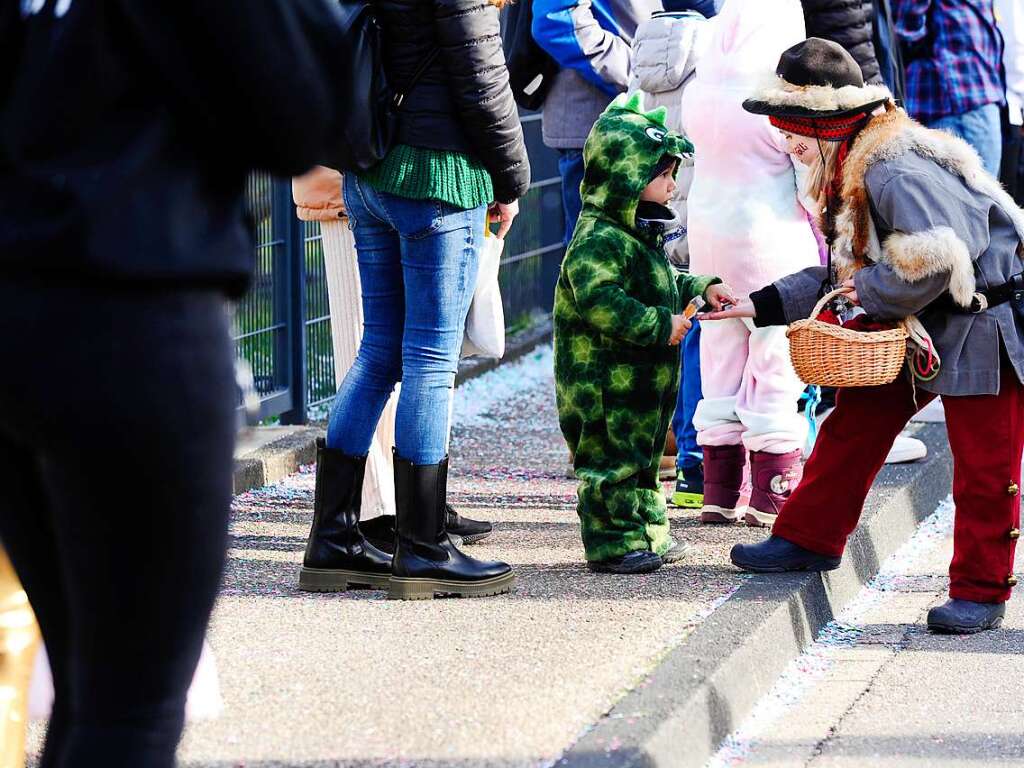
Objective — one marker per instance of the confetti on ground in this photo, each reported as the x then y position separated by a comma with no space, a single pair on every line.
844,632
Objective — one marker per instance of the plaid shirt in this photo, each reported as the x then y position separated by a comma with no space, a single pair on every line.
953,53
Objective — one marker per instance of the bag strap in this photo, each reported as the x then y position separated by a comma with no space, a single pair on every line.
426,64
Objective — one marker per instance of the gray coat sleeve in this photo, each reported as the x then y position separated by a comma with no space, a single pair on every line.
929,219
800,291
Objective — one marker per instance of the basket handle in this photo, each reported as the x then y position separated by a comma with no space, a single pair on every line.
826,299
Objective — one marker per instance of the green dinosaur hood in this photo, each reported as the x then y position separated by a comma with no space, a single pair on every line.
621,154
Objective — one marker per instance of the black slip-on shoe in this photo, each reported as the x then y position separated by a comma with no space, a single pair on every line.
965,617
776,555
640,561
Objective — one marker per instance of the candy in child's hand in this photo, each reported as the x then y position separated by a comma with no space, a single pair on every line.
696,305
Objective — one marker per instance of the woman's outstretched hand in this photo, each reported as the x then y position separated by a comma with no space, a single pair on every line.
743,308
851,293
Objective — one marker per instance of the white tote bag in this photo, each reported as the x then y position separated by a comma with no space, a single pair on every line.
485,325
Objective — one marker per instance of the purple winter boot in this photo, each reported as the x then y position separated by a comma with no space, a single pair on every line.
773,477
723,477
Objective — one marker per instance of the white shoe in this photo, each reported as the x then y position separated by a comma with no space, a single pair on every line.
932,413
906,449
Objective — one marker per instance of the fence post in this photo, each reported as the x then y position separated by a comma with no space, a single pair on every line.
295,247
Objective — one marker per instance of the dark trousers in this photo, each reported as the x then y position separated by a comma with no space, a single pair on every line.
986,434
116,438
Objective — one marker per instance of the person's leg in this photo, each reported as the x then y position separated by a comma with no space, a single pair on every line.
723,357
851,448
724,350
775,431
364,392
341,266
440,254
26,528
690,390
570,168
986,434
981,129
650,498
137,562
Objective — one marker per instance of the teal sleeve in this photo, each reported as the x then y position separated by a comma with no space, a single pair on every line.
596,276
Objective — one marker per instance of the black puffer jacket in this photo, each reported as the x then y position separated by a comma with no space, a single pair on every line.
464,102
849,23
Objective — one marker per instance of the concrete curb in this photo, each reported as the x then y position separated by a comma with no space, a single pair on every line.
704,688
279,458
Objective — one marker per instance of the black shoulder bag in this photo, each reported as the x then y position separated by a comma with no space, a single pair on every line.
371,124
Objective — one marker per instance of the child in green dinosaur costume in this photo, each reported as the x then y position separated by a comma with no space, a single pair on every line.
618,306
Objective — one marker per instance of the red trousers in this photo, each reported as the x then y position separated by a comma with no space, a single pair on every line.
986,434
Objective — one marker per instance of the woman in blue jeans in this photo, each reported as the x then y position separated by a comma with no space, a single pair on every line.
418,219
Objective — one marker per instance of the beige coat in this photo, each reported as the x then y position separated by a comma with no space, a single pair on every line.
317,195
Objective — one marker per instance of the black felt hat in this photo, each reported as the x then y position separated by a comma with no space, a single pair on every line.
816,78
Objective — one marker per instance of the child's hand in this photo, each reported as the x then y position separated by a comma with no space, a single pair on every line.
720,294
680,325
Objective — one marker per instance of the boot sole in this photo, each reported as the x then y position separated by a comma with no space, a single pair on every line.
404,588
721,515
472,538
756,519
324,580
958,629
780,569
688,500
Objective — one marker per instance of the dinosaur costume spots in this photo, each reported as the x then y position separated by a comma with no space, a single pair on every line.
615,374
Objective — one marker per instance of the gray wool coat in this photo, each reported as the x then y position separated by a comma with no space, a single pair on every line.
939,228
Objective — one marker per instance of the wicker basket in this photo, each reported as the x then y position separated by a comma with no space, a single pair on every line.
832,356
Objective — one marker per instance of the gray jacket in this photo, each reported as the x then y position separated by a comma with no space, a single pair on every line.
941,229
590,40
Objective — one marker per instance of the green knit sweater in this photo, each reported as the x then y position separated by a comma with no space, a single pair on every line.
430,174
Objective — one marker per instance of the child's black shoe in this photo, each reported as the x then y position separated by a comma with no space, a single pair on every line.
640,561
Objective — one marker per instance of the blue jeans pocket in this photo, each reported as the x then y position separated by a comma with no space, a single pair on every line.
413,219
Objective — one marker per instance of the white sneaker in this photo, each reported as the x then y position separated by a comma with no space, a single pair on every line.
906,449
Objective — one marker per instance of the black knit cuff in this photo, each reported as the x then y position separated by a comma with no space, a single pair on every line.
768,307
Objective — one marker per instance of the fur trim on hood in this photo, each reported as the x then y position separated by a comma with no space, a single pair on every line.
912,256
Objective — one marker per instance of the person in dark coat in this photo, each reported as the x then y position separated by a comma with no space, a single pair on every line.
849,23
127,133
922,236
419,220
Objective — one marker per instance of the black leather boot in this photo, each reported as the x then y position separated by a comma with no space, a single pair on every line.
426,561
337,553
469,530
380,531
965,617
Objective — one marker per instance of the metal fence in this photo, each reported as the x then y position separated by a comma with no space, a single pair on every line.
283,324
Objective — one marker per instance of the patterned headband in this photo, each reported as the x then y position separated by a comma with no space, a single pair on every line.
827,128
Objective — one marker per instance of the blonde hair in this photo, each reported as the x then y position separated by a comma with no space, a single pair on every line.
821,171
499,4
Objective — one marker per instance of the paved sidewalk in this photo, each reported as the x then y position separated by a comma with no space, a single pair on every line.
878,689
355,679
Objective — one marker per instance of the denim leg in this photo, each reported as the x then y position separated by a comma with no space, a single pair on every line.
981,129
689,452
570,167
378,365
440,254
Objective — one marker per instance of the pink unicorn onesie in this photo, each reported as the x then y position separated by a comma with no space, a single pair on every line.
746,224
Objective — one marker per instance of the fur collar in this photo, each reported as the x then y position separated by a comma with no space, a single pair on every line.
916,255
